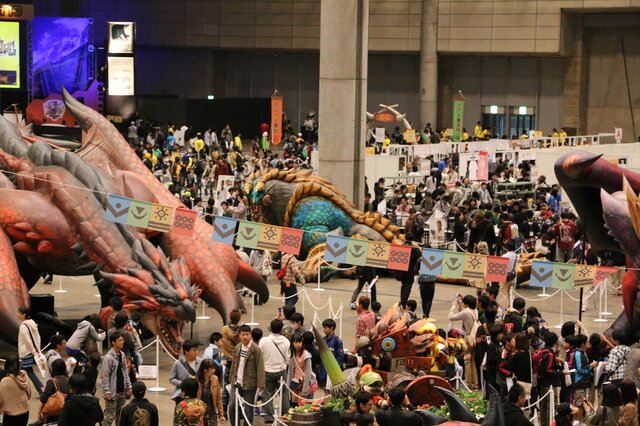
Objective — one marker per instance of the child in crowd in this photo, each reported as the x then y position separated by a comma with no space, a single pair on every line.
335,344
90,372
412,305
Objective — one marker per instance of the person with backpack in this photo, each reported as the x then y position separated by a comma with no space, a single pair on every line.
139,412
81,408
617,362
492,358
513,318
608,413
185,367
548,374
565,232
191,411
578,361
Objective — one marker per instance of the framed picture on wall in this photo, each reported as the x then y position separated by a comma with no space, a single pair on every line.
121,37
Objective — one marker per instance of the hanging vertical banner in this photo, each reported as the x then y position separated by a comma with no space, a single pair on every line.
224,229
290,241
184,222
117,209
541,274
483,166
431,262
603,272
563,275
357,252
139,212
458,116
399,257
474,266
161,218
248,234
269,238
585,275
497,269
336,250
378,254
276,117
453,264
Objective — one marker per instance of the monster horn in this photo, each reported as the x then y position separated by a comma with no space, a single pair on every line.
459,411
495,413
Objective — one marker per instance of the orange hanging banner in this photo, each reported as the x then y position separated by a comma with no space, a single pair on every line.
276,118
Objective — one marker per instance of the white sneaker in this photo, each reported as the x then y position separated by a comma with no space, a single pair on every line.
352,306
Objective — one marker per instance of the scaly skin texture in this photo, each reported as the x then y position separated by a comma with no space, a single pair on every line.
607,219
56,219
214,267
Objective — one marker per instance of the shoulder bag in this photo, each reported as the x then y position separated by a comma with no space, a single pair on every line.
39,358
55,402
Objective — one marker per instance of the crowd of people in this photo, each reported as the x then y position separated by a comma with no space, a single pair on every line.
511,347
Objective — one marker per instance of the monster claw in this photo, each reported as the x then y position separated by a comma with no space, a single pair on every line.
90,266
77,248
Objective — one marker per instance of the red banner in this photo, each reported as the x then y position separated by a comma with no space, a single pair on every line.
184,222
290,241
497,269
276,118
399,257
483,166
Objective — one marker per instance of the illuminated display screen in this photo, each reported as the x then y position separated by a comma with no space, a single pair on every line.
9,55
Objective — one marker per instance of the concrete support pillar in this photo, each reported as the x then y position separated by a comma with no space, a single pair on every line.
429,64
576,74
344,34
445,92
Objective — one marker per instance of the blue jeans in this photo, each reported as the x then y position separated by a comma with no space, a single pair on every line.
250,396
34,378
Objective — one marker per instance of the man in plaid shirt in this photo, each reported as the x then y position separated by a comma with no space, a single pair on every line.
617,362
366,319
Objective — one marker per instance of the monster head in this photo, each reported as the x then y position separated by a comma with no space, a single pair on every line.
160,290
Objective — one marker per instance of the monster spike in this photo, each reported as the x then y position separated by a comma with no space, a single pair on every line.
78,248
87,267
459,411
633,205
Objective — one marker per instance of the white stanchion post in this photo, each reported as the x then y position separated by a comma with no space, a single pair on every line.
157,387
60,289
602,286
303,293
561,310
204,316
236,405
318,288
544,292
606,293
279,412
253,308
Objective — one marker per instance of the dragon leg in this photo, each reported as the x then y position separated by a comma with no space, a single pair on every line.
13,291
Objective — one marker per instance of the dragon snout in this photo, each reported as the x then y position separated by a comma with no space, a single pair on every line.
186,310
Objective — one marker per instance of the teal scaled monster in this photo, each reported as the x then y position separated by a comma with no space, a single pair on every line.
298,199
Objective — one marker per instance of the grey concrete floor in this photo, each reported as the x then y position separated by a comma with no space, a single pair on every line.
79,300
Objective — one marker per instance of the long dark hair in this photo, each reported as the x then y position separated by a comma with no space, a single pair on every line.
12,365
204,365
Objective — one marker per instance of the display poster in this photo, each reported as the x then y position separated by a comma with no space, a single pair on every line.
9,55
379,134
410,136
121,37
458,116
276,118
121,76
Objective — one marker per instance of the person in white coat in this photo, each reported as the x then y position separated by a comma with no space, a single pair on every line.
28,345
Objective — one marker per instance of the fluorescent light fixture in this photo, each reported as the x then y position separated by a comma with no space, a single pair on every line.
522,110
493,109
210,97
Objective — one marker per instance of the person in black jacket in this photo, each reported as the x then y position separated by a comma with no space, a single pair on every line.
81,408
548,373
513,415
492,360
58,381
396,414
139,406
365,274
